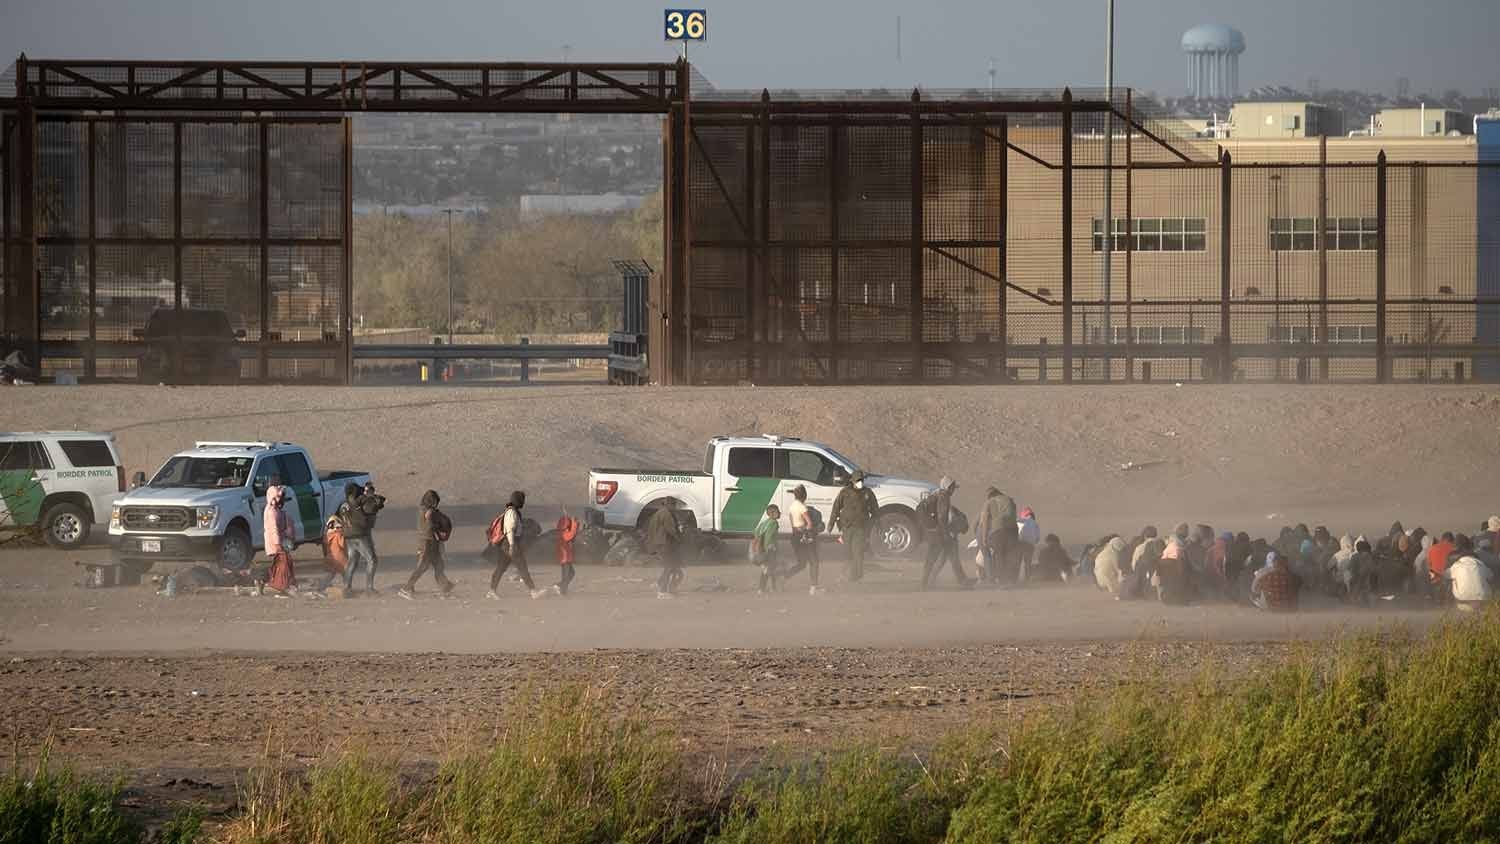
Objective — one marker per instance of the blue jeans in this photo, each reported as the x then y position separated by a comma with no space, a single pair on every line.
361,549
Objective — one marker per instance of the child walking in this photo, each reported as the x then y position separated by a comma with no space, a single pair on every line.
567,531
763,550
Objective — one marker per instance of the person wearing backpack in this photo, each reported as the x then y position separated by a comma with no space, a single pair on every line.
806,524
945,523
433,530
508,547
357,517
763,551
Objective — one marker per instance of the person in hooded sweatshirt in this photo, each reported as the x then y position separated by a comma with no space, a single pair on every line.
567,533
433,529
1052,561
1468,581
1111,565
1142,569
280,539
1171,576
510,547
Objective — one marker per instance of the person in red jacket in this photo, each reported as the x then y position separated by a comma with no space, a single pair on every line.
567,531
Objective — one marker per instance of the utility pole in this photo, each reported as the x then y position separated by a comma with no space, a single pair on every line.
449,212
1109,170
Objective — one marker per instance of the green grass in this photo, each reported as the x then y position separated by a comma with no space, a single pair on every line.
49,805
1380,738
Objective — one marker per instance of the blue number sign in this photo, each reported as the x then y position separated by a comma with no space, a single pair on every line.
686,25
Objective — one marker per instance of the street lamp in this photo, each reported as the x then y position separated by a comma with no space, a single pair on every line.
450,212
1276,259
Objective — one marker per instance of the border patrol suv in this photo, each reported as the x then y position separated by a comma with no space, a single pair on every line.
62,482
207,503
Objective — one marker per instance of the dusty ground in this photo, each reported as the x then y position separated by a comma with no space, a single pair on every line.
179,690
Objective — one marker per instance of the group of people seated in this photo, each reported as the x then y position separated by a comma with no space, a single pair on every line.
1199,564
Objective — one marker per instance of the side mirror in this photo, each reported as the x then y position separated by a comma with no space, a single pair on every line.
137,480
840,479
239,334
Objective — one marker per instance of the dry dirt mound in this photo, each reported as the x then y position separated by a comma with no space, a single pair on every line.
1356,456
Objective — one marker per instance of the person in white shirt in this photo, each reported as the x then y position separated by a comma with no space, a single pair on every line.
804,539
1470,581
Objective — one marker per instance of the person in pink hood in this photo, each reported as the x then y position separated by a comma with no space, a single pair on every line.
279,541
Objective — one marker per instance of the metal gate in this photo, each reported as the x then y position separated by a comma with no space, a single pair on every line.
191,249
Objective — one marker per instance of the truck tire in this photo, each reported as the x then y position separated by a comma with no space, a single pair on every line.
65,526
235,551
896,535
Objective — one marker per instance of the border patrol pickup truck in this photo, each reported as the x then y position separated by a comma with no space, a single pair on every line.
741,476
208,503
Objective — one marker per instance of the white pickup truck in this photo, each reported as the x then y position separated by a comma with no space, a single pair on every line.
741,476
208,503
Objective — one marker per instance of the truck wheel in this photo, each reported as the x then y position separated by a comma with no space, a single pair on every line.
65,526
234,549
896,534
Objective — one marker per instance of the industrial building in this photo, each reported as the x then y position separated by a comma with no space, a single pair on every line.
1422,122
1266,120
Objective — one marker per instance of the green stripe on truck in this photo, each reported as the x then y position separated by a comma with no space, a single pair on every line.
743,510
23,496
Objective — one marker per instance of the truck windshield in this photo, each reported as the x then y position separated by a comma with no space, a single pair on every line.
204,472
839,458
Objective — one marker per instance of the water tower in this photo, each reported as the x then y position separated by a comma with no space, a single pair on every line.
1213,52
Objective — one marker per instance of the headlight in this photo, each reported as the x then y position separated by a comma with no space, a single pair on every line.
207,516
114,516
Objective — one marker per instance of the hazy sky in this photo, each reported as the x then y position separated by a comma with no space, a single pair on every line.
1438,44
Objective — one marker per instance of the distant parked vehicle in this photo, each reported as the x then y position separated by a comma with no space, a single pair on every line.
203,341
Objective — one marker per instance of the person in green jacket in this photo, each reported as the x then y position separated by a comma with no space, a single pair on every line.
854,513
664,539
763,550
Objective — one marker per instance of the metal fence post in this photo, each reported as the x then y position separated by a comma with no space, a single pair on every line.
28,305
1067,234
525,363
1322,235
918,365
1226,291
1382,369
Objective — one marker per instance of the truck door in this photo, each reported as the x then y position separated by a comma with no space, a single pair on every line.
747,485
812,470
296,473
25,474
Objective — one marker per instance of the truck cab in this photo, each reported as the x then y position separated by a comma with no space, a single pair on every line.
209,503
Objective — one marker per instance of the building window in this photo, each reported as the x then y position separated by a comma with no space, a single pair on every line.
1351,334
1150,335
1156,234
1294,234
1291,334
1344,234
1351,234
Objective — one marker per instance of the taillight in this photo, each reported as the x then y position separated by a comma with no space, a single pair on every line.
604,491
120,477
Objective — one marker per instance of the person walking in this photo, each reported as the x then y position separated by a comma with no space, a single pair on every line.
567,531
805,527
508,547
280,539
357,514
854,513
433,530
763,551
664,539
945,523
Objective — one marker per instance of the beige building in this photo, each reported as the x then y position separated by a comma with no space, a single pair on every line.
1422,122
1296,233
1285,120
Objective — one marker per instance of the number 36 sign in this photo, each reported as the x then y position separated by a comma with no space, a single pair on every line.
686,25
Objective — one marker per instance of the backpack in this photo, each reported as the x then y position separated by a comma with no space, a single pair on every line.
816,517
442,526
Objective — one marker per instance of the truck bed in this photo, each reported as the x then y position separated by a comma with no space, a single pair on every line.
687,473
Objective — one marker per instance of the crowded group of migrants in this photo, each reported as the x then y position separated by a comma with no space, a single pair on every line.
1198,564
1190,564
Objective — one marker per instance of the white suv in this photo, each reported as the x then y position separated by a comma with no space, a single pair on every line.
63,482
